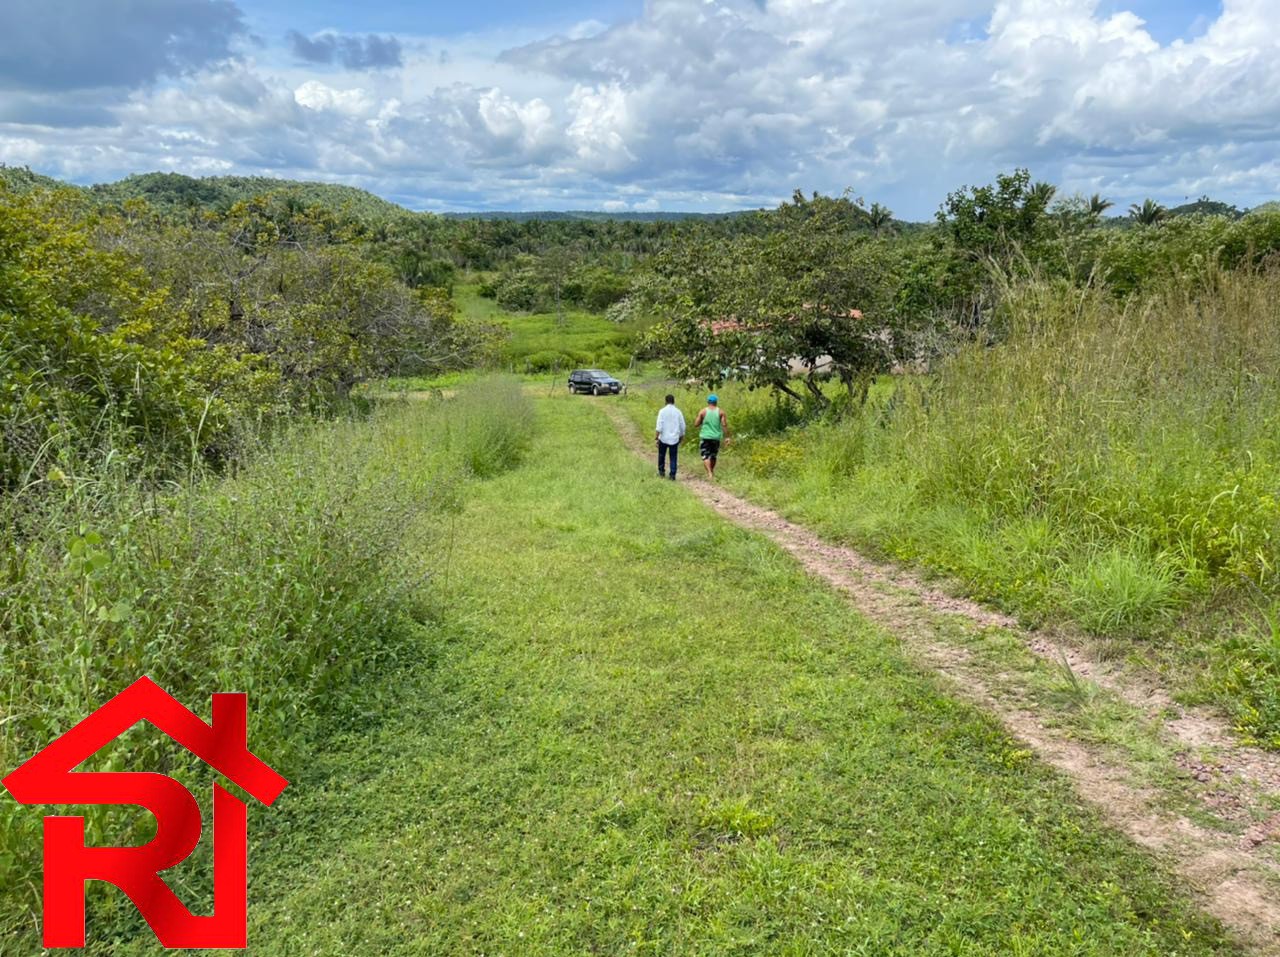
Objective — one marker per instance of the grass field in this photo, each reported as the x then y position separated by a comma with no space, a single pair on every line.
632,728
293,580
1111,467
548,342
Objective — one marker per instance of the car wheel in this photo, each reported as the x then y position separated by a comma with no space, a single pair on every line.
595,390
571,390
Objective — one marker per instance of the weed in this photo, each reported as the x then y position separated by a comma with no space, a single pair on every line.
288,580
1122,590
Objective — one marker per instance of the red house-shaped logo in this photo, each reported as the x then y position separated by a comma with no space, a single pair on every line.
50,778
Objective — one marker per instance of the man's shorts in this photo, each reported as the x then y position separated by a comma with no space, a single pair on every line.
710,448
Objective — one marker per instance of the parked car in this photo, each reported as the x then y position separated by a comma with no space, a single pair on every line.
595,381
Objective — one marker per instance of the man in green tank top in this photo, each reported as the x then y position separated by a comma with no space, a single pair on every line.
713,428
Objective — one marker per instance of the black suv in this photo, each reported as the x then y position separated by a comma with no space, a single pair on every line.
594,381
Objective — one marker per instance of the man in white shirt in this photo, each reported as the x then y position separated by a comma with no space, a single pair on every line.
669,433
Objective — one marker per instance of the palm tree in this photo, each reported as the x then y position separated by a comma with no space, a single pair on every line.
1149,213
1041,194
880,218
1098,205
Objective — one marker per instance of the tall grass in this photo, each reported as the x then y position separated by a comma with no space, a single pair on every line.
1151,424
1112,462
488,426
286,580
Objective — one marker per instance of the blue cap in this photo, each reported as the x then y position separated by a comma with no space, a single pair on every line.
712,398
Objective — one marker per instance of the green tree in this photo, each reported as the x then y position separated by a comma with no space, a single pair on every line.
880,218
812,297
1098,206
990,228
1149,213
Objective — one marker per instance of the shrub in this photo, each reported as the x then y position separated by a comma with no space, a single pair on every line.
286,581
600,288
1122,590
624,311
489,426
548,360
612,359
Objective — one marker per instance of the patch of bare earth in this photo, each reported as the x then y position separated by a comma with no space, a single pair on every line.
1236,877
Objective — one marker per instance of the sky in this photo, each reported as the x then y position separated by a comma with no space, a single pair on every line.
641,105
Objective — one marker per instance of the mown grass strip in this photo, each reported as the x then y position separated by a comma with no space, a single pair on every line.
640,730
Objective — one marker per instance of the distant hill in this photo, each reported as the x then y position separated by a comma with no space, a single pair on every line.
1204,206
20,179
175,191
592,215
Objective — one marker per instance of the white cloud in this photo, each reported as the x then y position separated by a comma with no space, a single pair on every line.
719,103
600,127
314,95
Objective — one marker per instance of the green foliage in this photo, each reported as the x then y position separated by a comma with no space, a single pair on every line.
985,226
580,764
551,342
997,221
548,360
1248,679
1123,590
166,339
20,179
173,191
488,426
1113,461
289,581
598,288
522,286
80,361
551,282
1204,206
817,294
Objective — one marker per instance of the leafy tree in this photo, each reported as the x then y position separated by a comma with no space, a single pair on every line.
814,296
1204,206
1098,206
880,219
599,287
1042,193
81,357
1148,214
998,225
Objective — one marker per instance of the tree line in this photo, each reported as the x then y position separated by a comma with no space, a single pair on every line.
169,338
834,287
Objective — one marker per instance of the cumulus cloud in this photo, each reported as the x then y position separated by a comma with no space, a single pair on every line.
353,52
715,104
911,97
314,95
63,45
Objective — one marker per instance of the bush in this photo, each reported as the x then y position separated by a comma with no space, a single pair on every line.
548,360
286,581
624,312
488,426
611,359
599,288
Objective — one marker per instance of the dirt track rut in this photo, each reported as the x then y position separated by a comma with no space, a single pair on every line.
1236,876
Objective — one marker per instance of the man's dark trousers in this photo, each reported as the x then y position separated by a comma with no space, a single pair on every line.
663,451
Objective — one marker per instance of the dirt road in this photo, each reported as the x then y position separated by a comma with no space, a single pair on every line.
1228,851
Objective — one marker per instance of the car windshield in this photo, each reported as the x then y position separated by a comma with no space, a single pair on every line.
600,373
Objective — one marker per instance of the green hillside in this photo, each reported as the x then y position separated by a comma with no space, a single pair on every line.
169,190
21,179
